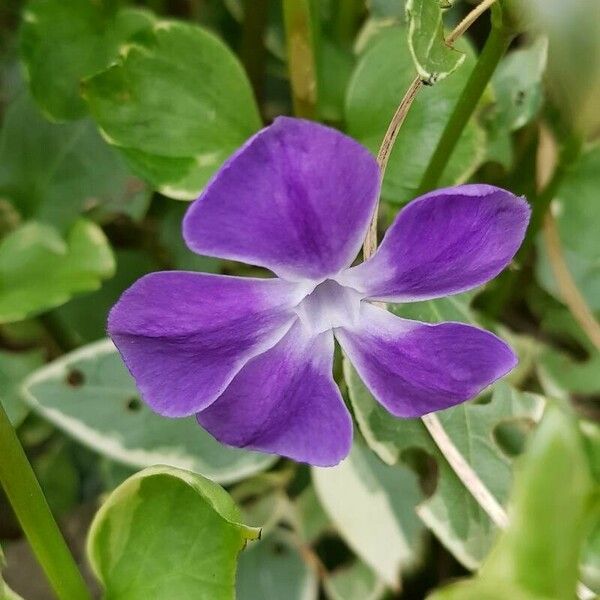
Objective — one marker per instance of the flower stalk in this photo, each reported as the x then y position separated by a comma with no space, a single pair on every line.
32,510
496,45
302,63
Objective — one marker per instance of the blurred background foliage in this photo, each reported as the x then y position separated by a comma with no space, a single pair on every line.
115,114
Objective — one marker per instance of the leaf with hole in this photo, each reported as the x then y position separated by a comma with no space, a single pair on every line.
90,395
382,75
536,558
487,433
167,533
433,58
369,501
176,103
40,270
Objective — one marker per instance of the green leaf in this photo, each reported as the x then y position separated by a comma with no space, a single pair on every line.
63,41
354,582
40,270
177,104
537,557
166,533
432,57
578,221
53,173
90,395
273,569
483,432
369,501
14,367
312,520
371,105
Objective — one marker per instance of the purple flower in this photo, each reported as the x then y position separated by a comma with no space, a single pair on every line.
252,358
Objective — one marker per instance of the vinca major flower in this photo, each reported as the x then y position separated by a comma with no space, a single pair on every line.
252,357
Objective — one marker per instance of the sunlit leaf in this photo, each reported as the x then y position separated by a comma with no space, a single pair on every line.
177,103
166,533
40,270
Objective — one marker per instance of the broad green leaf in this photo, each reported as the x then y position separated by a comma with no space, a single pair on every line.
432,57
335,67
177,103
273,569
40,270
312,520
167,533
482,431
90,395
63,41
14,367
368,502
53,173
575,208
354,582
537,557
381,77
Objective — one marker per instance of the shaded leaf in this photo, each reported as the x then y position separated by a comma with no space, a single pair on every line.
90,395
177,103
354,582
63,41
40,270
53,173
537,556
273,569
432,57
578,221
14,367
450,512
362,486
381,77
167,533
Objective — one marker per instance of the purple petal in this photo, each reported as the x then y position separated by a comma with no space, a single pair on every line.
286,402
297,199
414,368
445,242
185,335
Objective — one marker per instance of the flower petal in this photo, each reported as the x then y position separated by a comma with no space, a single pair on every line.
285,401
445,242
297,199
185,335
414,368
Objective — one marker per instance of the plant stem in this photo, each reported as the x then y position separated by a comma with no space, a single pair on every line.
32,510
495,47
302,65
252,49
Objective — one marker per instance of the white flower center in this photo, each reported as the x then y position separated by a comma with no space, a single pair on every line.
328,306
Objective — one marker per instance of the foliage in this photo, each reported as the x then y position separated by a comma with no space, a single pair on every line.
113,115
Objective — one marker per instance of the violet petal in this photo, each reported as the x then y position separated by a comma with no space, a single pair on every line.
285,401
185,335
296,199
414,368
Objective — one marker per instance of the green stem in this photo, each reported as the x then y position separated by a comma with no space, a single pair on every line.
252,50
32,510
302,65
347,17
495,47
